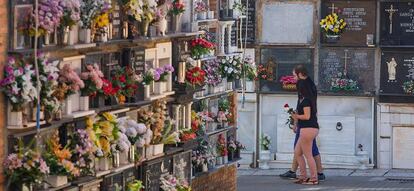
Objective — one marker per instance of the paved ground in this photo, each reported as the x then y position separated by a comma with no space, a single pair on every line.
337,180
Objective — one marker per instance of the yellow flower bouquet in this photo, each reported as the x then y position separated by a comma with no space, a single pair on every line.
332,25
104,131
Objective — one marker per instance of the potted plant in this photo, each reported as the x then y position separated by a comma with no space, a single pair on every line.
239,148
201,10
239,9
19,88
157,127
70,18
263,74
288,83
265,142
332,26
177,10
408,87
343,83
221,150
171,183
146,117
25,168
59,161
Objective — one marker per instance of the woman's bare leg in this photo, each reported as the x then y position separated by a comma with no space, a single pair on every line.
300,160
306,137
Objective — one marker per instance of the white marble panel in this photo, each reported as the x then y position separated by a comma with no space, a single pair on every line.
403,144
332,141
285,135
246,122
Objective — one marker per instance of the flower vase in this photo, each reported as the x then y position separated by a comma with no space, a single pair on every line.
162,26
211,89
230,156
131,154
225,161
47,39
26,187
210,14
125,28
57,181
205,167
104,164
332,38
65,36
84,103
219,161
201,16
34,113
160,87
229,85
264,159
147,92
143,29
124,157
149,151
116,159
158,149
48,117
85,35
169,82
15,118
177,23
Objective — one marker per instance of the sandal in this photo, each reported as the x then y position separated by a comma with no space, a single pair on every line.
300,181
310,182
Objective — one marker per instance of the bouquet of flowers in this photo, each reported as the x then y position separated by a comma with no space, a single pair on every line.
69,81
26,166
147,77
104,132
249,69
195,77
205,117
101,23
265,142
59,159
161,73
240,7
232,147
290,120
213,78
200,47
90,9
187,135
343,83
221,117
169,137
200,7
133,130
231,68
263,74
158,118
239,146
288,83
408,87
332,25
71,12
221,146
125,82
141,10
171,183
18,83
177,8
49,75
93,79
50,14
82,148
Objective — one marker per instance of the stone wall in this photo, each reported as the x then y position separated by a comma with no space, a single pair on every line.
224,179
3,58
391,118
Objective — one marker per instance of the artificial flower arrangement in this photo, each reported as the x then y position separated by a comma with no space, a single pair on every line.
225,107
343,83
290,121
288,83
59,161
50,13
69,83
83,149
135,131
222,147
232,148
172,183
158,118
161,73
200,7
71,13
249,69
93,79
240,7
263,74
222,118
213,78
125,83
135,185
25,166
408,87
331,25
265,142
170,137
200,47
231,68
146,78
90,9
187,135
141,10
195,77
177,7
18,84
101,27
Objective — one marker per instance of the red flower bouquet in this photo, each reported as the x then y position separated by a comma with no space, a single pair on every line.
187,135
262,73
196,76
177,8
125,82
200,47
288,83
107,88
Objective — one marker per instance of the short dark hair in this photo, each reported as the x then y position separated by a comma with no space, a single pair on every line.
301,69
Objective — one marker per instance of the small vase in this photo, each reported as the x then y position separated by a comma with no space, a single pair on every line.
219,161
125,29
202,16
225,161
84,103
205,167
147,90
123,157
57,181
144,25
229,85
162,26
47,39
158,149
104,164
65,37
85,35
131,154
15,118
169,83
160,87
34,113
67,106
210,14
149,151
177,23
211,89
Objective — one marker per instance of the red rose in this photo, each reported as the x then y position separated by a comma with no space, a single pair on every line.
286,105
122,79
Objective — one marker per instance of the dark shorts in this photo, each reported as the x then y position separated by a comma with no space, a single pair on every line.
315,150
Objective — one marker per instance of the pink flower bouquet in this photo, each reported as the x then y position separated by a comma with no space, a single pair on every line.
93,79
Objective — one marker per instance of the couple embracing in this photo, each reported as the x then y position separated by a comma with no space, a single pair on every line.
306,128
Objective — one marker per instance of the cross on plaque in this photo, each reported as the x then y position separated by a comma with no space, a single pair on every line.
333,8
346,61
391,12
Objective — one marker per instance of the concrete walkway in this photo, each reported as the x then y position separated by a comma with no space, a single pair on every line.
337,180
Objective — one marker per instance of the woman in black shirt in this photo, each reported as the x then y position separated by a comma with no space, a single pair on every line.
309,128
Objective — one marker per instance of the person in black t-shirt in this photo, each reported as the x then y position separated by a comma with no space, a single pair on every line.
307,125
301,75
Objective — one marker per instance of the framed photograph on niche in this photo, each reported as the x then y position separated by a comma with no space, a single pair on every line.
21,14
280,62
